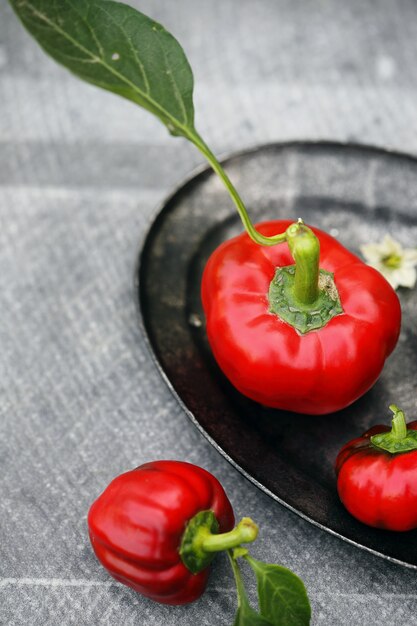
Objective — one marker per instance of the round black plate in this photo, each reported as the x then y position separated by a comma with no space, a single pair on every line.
356,193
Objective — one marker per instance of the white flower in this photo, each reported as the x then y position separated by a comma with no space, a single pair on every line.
396,263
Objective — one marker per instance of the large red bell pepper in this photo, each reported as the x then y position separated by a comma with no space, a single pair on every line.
156,528
377,475
297,338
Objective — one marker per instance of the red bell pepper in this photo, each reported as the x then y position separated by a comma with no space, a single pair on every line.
158,527
310,337
377,475
155,529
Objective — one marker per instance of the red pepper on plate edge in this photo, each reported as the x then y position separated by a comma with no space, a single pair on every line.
377,475
158,527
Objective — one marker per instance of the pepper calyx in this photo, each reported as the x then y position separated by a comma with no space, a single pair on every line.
399,439
303,318
303,295
201,539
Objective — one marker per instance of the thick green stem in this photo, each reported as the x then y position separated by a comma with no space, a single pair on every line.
399,438
303,244
201,539
245,532
399,427
305,249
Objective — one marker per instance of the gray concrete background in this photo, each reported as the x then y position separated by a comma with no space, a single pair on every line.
80,173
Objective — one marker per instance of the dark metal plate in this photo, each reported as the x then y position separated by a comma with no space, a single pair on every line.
358,194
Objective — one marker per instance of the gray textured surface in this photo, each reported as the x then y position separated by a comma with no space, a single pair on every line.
80,173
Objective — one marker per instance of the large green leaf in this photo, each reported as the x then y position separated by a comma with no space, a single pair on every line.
115,47
282,596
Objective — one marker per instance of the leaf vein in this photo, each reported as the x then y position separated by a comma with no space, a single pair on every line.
177,91
91,30
133,49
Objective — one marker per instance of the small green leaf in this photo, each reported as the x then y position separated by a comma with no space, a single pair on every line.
119,49
246,616
283,599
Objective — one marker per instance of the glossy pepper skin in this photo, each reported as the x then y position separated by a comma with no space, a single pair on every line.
137,523
377,487
269,361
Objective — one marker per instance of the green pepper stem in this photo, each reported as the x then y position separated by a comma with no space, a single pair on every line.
245,532
399,439
305,249
256,236
303,243
201,539
399,426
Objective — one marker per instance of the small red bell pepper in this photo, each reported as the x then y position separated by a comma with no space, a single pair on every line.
377,475
310,337
156,528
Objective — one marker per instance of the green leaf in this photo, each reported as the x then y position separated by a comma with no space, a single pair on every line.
119,49
246,616
113,46
283,598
